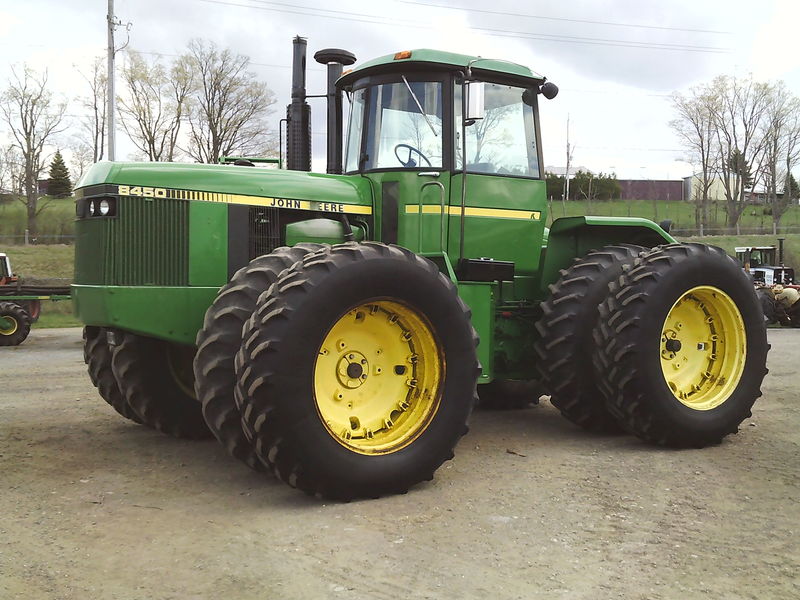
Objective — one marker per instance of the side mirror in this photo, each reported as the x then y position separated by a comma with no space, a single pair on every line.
475,101
529,95
549,90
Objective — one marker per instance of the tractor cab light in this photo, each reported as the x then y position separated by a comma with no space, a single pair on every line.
402,55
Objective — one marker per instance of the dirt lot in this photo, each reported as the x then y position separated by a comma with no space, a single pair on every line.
93,506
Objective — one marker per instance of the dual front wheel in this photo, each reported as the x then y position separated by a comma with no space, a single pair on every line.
357,372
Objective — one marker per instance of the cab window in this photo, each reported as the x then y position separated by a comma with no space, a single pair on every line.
504,141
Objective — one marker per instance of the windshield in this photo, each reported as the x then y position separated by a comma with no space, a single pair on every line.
398,133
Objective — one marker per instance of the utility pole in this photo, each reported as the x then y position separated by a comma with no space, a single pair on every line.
569,160
110,78
113,23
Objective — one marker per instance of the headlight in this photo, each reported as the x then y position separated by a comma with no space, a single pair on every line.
102,207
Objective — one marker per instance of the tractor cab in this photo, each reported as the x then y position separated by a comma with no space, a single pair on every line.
451,145
764,266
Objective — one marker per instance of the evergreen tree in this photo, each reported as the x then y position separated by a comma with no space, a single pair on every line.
794,190
60,185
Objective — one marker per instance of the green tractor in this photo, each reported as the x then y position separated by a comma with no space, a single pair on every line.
326,327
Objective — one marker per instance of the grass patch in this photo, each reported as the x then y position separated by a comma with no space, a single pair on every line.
679,212
729,242
53,261
54,222
57,314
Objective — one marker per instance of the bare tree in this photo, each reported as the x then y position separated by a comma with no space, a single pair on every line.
8,169
81,156
737,132
781,149
33,117
154,105
695,127
92,126
229,106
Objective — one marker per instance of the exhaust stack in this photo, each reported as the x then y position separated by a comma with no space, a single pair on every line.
335,59
298,113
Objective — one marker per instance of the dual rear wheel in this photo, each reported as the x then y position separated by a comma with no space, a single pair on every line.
668,344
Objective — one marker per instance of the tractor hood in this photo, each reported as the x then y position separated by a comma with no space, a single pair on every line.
226,179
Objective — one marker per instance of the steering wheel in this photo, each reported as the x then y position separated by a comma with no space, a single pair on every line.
410,163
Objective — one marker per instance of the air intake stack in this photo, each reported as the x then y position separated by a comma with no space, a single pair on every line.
336,59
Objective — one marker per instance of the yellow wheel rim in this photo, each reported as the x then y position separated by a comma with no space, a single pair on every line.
8,325
703,348
378,377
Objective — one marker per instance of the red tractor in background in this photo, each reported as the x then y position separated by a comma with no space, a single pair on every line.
21,303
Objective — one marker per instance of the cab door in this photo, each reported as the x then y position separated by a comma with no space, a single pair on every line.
403,152
497,209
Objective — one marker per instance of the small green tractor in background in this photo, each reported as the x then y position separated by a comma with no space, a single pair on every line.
326,327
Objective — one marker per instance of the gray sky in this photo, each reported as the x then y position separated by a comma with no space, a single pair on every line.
616,61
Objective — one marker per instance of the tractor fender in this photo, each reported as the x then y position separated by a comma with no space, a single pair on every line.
572,237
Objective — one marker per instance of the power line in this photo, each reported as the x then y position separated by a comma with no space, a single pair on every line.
564,19
257,64
374,19
501,32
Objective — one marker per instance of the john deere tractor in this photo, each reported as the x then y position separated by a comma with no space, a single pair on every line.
337,329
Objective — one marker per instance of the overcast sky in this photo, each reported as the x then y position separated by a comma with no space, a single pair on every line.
615,61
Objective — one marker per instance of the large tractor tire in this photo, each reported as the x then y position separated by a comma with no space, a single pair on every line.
681,346
156,378
220,339
97,356
565,345
509,394
358,372
15,324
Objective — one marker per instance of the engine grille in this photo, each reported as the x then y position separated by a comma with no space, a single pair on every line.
146,244
264,231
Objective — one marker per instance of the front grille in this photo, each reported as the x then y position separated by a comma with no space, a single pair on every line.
264,231
147,243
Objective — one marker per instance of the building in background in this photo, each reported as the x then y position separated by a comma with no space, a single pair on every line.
652,189
716,191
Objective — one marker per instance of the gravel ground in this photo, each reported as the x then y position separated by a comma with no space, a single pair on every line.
93,506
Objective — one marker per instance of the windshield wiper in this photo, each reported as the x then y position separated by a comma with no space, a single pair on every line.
419,106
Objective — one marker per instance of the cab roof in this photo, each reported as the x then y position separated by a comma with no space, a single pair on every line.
421,57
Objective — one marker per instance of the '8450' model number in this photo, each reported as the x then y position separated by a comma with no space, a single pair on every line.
147,192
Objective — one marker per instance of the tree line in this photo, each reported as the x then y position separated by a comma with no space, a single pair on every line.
742,135
199,106
583,186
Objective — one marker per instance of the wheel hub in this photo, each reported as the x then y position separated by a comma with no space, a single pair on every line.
352,369
377,377
703,348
